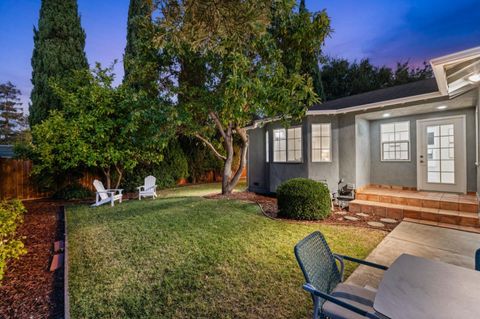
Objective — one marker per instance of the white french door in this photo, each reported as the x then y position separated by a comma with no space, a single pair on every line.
441,154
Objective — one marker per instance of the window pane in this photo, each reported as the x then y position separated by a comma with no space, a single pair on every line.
279,145
433,177
395,139
448,178
321,142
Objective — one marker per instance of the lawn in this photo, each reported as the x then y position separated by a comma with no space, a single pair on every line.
190,257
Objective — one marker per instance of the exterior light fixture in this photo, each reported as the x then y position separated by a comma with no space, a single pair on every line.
442,107
386,114
474,77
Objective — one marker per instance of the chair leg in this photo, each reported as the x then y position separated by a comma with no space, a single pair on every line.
112,202
316,306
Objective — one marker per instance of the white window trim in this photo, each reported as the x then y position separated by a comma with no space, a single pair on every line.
311,140
286,145
400,141
267,147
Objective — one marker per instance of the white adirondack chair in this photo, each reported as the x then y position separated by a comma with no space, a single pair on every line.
149,189
106,195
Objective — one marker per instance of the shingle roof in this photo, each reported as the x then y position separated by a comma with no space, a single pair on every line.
391,93
6,151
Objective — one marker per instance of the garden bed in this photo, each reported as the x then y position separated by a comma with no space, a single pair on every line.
270,209
29,289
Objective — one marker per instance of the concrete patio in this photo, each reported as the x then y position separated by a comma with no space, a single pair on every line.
447,245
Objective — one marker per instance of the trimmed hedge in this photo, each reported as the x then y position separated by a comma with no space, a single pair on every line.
74,191
11,216
304,199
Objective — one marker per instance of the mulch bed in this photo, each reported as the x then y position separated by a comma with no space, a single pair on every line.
29,289
270,209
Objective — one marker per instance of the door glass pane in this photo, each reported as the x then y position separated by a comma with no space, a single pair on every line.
440,154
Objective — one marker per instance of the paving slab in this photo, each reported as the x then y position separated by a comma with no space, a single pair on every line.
351,218
447,245
389,220
376,224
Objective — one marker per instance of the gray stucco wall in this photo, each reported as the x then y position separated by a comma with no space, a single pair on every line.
324,171
405,173
257,168
279,172
362,160
346,147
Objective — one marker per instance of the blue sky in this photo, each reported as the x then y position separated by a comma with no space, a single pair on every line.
385,31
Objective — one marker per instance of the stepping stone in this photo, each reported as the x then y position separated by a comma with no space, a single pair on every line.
341,213
362,214
57,262
351,218
388,220
340,218
376,224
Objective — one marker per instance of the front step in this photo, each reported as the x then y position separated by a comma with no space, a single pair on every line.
400,211
442,201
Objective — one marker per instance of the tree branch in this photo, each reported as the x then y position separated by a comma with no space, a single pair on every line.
214,117
210,145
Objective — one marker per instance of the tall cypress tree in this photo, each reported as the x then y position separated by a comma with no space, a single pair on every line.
310,62
140,60
59,49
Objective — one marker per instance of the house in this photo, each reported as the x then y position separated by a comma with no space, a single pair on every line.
418,136
6,151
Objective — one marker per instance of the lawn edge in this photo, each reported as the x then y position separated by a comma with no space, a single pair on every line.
66,296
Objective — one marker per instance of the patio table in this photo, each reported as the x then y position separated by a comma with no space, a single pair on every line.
415,287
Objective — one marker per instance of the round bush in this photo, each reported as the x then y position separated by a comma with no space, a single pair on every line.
305,199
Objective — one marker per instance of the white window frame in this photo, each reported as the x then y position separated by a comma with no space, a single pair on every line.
294,150
275,152
267,147
322,148
395,141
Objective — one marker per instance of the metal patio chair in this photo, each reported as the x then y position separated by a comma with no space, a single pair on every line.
477,260
323,273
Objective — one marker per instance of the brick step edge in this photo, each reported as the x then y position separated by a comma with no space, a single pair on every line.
426,203
396,211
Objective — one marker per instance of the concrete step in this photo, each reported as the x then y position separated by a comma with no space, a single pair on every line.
398,211
443,201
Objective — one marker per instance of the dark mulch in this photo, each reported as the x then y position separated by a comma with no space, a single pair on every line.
29,289
270,209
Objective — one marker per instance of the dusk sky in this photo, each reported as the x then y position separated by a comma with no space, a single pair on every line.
385,31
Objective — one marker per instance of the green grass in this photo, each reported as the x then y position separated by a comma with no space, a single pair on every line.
190,257
197,190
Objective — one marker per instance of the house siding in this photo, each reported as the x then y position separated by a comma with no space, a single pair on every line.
324,171
405,173
257,167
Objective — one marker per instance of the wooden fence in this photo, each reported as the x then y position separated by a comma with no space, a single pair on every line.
15,181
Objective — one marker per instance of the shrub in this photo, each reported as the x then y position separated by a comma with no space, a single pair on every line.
173,167
11,216
301,198
73,191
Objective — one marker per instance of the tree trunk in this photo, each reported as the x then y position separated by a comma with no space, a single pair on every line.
120,176
106,172
228,182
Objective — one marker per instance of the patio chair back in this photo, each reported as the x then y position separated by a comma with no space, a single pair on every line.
318,263
99,188
150,182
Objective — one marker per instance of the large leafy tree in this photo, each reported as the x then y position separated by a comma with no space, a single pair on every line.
98,129
344,78
12,119
59,43
244,71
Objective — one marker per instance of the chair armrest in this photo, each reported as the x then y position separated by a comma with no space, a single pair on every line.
108,191
342,265
341,303
360,261
114,190
140,187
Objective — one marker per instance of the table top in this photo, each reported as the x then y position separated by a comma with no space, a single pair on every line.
415,287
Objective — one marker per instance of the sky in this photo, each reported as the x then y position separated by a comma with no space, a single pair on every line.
385,31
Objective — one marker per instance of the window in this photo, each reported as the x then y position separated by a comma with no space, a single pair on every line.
287,145
321,143
294,144
267,148
279,145
395,141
